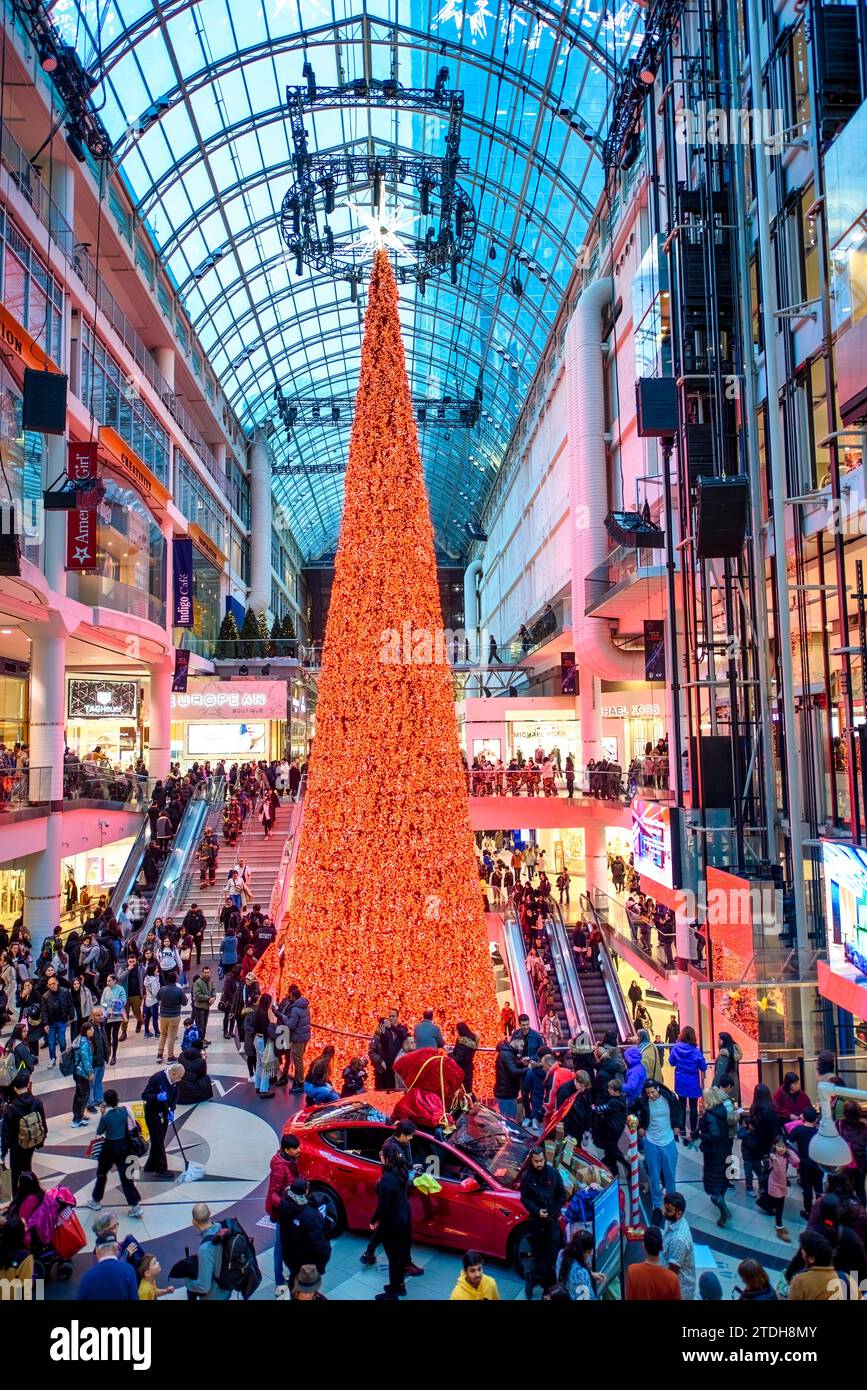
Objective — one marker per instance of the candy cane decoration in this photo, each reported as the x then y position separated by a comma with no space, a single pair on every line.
632,1160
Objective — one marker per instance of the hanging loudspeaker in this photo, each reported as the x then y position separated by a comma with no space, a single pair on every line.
656,406
722,516
44,401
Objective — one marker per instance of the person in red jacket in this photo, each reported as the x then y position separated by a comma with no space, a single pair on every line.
789,1101
283,1172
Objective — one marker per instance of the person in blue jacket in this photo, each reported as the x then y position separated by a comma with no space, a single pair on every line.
690,1066
533,1045
633,1086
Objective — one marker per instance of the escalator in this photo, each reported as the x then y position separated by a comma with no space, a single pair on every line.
179,864
569,1003
523,996
132,868
606,1007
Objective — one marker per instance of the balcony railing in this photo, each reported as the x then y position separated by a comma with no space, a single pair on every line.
32,786
36,194
98,591
623,564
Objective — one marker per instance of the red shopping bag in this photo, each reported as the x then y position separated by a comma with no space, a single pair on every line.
69,1235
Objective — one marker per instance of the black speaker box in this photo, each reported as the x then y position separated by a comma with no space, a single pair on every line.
722,517
44,401
10,553
717,781
656,406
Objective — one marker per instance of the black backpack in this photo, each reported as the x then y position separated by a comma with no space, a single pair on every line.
103,960
239,1269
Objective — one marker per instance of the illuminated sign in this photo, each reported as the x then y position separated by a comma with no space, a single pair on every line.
212,699
646,711
102,699
845,873
656,842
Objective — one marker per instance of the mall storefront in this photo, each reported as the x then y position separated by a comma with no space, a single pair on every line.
106,713
234,720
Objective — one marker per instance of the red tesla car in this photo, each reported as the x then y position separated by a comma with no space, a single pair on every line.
478,1167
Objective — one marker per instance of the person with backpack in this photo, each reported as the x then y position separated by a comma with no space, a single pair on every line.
77,1062
24,1128
116,1128
303,1235
227,1262
15,1060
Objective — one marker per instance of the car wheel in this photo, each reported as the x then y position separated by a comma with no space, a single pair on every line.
334,1208
519,1249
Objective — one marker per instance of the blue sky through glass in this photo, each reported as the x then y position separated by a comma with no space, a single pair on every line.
211,173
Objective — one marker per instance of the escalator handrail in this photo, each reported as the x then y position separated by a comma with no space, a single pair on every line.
563,960
523,994
129,873
622,1017
179,862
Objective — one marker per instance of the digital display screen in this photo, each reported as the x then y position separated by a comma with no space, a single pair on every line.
225,740
845,874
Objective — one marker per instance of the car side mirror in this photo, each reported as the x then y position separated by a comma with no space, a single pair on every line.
470,1184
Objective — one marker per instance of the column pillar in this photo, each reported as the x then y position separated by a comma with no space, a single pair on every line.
165,360
260,524
159,751
683,955
42,874
47,713
54,523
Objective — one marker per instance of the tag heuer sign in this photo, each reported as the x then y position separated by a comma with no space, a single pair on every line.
102,699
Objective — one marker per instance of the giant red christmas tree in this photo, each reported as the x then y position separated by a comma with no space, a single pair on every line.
386,910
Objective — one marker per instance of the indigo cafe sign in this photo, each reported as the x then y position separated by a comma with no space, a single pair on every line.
182,570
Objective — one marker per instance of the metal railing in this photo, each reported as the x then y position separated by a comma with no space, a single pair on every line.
177,870
563,960
280,891
257,649
621,564
21,787
523,994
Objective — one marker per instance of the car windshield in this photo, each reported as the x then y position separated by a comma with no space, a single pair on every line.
497,1144
340,1110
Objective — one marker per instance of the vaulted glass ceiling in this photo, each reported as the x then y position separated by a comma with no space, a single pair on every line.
193,93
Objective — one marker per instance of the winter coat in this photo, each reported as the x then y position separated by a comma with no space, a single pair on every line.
778,1172
283,1172
641,1110
426,1033
652,1062
303,1237
609,1120
635,1074
464,1053
298,1020
576,1121
542,1191
56,1007
763,1126
715,1144
689,1068
195,1085
788,1106
392,1214
507,1073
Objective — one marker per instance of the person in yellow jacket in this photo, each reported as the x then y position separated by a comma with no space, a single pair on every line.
474,1285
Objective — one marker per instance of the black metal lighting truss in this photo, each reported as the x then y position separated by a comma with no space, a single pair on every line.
453,411
629,98
71,78
318,176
